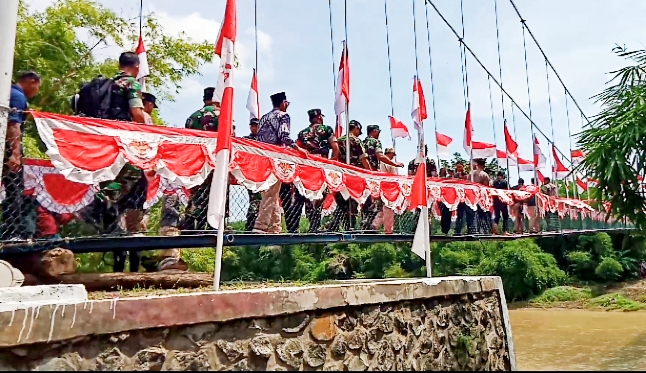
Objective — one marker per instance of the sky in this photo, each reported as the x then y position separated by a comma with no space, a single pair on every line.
298,53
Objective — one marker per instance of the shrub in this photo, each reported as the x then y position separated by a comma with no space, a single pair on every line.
581,264
609,269
562,294
525,270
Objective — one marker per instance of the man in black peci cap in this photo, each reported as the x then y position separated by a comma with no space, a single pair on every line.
207,117
150,104
274,128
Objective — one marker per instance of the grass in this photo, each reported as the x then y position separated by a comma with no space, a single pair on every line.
626,297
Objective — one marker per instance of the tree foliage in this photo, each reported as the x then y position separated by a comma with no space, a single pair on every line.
51,42
615,141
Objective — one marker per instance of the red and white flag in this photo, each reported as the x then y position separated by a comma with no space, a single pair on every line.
559,170
225,48
443,142
418,112
419,199
521,163
253,104
342,98
512,146
475,149
577,156
398,128
582,186
539,158
144,69
540,176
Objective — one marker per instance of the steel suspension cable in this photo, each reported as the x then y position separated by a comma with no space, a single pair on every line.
493,124
549,63
502,96
421,140
255,32
574,177
430,61
493,79
463,62
390,74
549,101
141,16
347,106
529,99
332,44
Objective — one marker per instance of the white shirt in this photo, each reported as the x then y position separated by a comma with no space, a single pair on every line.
148,119
383,167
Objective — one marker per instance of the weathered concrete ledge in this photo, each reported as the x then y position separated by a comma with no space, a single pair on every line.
110,317
15,298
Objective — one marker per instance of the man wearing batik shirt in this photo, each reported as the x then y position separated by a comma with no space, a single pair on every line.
317,139
274,128
376,156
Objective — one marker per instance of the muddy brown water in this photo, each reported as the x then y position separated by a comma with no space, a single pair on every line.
557,339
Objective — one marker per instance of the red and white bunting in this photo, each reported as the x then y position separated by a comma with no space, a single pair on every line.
253,103
398,129
225,48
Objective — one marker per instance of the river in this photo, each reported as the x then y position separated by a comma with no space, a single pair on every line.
578,339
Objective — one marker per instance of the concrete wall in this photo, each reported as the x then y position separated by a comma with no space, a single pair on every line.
420,324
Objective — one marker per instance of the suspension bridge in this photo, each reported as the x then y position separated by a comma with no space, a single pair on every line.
72,204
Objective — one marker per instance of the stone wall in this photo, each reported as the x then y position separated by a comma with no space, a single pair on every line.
449,328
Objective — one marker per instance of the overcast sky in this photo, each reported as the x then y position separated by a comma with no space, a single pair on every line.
295,56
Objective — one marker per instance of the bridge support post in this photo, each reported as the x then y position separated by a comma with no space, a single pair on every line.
8,22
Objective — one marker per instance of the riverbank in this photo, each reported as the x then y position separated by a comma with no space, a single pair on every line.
629,296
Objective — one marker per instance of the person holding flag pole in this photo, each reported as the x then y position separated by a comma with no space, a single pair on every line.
225,49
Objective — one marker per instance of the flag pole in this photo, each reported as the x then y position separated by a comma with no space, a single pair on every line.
218,256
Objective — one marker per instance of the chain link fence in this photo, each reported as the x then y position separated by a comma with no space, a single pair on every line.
38,203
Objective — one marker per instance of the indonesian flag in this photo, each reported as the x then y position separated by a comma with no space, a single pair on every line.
225,48
581,185
475,149
253,105
521,163
443,142
577,156
398,128
342,98
419,199
559,170
418,113
540,176
144,69
539,158
512,146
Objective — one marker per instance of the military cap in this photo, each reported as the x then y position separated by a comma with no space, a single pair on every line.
278,98
314,112
208,93
373,127
355,124
254,122
145,96
390,150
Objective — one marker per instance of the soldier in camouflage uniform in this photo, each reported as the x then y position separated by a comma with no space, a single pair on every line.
376,155
318,139
254,198
347,210
206,118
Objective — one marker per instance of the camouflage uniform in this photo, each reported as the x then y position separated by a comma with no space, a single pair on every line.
372,206
317,140
205,119
347,210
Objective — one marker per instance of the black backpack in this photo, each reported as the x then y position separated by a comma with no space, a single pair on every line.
101,98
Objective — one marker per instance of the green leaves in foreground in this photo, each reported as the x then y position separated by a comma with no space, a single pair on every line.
615,141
